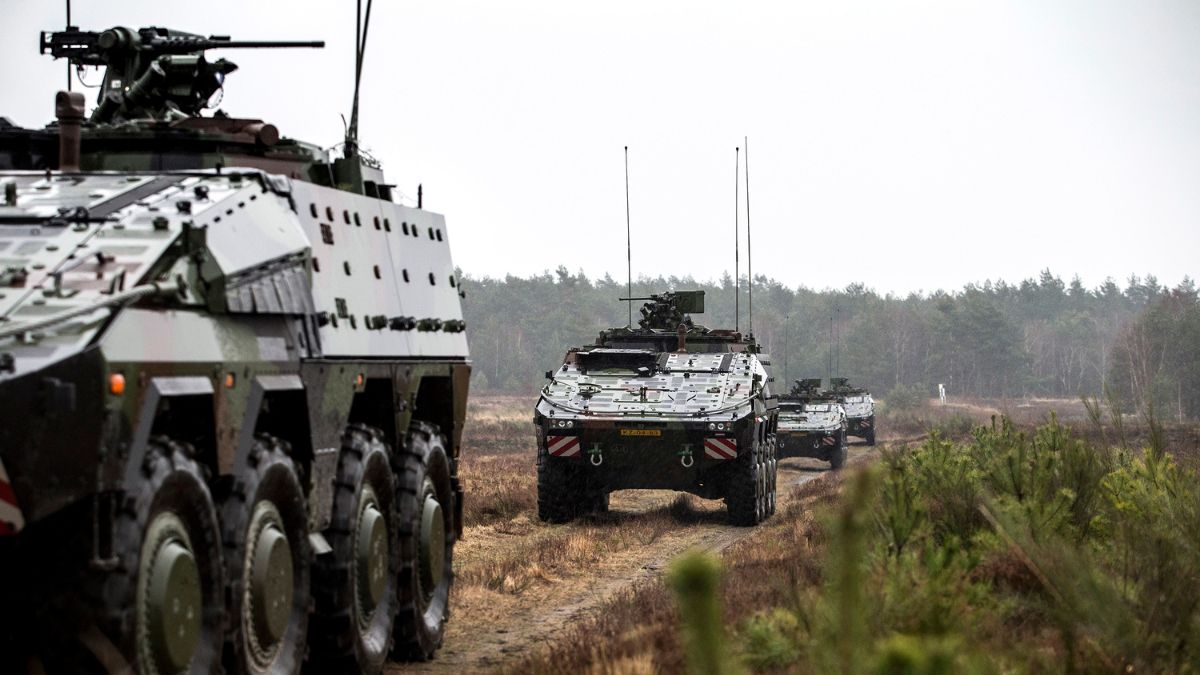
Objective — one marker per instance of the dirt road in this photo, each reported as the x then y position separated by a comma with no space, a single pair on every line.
527,580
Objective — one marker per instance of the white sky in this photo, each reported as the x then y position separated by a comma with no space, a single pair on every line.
908,147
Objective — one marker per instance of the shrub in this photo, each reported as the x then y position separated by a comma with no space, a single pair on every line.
903,398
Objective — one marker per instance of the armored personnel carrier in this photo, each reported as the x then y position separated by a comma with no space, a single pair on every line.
812,424
667,405
860,408
233,377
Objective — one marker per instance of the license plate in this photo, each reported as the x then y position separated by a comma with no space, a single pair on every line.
641,432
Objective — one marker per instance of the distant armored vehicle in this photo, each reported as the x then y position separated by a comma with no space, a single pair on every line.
233,377
812,424
667,405
860,408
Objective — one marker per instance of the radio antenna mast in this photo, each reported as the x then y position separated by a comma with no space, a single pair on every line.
749,245
829,369
837,362
787,321
361,24
737,235
69,60
628,244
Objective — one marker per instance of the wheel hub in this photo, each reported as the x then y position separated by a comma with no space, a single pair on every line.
268,598
372,553
433,545
170,596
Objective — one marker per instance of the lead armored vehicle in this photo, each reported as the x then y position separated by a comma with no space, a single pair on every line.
812,424
667,405
860,408
233,377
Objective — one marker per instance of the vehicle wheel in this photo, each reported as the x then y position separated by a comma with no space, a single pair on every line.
355,585
557,489
268,563
871,436
598,502
743,491
837,456
426,501
163,605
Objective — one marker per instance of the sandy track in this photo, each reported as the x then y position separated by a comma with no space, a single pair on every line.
492,629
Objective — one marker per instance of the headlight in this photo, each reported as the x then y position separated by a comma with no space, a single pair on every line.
570,424
562,424
721,425
712,426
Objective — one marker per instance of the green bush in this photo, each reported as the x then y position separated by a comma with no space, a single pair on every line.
769,640
904,398
1016,551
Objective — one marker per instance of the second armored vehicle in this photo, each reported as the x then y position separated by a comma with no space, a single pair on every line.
860,408
812,424
667,405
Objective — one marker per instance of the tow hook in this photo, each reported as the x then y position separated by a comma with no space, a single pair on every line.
597,458
685,456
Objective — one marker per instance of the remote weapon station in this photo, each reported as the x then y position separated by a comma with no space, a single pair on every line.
233,377
666,405
812,424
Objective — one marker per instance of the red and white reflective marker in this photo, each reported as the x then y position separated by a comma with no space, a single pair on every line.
720,448
11,520
562,446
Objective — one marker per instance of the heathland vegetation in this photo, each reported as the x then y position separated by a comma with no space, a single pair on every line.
1038,338
1006,549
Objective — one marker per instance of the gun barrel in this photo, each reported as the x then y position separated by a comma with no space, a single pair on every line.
177,44
241,44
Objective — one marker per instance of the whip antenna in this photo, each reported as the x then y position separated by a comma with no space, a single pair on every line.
837,361
737,282
361,25
628,244
69,60
829,369
749,245
787,321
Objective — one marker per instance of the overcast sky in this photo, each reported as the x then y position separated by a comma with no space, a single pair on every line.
909,146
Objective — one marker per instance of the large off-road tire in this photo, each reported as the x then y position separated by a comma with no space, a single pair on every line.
162,606
354,586
871,435
268,564
426,507
837,456
744,497
559,489
597,500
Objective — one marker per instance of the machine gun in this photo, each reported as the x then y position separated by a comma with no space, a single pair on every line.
666,311
154,73
806,388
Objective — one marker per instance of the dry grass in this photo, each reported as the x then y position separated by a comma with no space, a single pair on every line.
554,552
499,425
638,629
499,488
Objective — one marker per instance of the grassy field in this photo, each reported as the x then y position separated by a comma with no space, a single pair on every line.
591,596
1006,548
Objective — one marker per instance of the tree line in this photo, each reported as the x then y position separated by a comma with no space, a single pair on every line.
1040,337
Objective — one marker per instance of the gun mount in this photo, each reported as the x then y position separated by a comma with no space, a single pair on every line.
155,73
805,388
665,311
